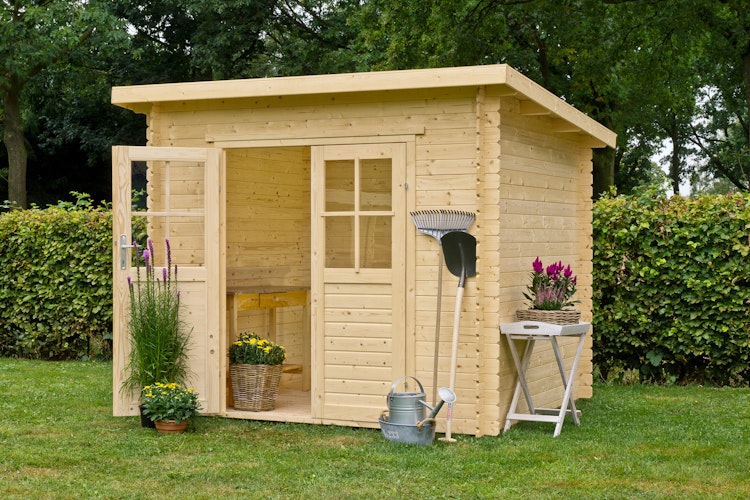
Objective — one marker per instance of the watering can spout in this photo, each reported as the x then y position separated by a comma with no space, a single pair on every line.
435,411
446,396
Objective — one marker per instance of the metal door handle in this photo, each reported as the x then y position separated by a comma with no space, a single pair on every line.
124,251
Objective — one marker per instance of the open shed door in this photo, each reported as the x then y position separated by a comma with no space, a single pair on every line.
358,279
169,193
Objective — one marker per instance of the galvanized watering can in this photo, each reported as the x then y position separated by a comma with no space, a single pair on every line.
405,420
406,407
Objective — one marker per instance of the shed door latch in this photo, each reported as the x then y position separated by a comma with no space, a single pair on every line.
124,251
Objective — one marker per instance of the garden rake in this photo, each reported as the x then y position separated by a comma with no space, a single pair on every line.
438,223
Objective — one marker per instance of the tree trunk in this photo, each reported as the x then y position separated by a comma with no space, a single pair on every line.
746,79
674,161
604,170
15,144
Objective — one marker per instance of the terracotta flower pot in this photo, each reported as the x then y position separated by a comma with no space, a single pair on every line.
171,426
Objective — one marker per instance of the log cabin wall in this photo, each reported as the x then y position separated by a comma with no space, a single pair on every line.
268,217
545,211
473,149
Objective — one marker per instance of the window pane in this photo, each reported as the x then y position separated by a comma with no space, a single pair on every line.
340,242
168,203
375,242
340,186
375,182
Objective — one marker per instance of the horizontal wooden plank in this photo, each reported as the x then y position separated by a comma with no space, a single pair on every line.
358,344
358,372
356,301
368,316
358,331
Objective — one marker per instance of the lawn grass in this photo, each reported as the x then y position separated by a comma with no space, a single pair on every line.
59,440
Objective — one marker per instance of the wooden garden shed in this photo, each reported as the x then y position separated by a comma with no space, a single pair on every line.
286,202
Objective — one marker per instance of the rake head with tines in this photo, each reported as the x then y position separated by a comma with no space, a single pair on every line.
437,223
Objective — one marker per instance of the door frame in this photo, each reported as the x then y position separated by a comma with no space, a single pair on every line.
212,158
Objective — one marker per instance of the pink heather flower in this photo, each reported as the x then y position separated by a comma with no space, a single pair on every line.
552,286
538,266
164,273
146,256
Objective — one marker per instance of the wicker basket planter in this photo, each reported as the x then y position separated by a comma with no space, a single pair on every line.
559,317
255,387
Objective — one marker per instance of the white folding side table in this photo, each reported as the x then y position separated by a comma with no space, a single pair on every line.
531,331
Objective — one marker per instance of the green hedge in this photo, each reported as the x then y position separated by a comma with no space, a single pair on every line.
672,288
56,282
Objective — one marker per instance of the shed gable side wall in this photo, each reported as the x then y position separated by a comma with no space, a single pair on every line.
545,202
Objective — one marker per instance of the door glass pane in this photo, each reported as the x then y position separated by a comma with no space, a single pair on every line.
375,242
339,185
168,204
339,242
375,184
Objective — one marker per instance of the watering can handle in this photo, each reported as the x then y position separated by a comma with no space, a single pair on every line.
395,384
421,423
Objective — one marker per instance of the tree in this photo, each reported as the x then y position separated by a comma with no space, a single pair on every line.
721,132
34,35
188,40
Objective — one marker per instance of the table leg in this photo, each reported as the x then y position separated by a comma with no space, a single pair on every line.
232,305
517,391
565,381
521,385
569,388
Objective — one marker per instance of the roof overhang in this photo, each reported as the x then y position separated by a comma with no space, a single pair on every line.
535,99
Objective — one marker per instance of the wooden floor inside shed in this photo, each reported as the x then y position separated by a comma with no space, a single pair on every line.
291,406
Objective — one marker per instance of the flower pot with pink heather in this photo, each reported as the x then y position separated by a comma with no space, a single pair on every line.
550,295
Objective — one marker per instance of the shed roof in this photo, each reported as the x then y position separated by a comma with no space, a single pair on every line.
535,98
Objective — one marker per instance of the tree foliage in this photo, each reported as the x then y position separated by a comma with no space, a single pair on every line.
656,72
36,36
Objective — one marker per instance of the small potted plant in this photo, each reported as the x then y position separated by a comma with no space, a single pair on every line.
255,371
169,406
158,337
550,295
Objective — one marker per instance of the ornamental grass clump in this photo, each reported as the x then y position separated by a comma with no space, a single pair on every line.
552,288
158,337
250,349
169,402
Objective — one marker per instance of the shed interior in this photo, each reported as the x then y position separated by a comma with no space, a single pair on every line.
268,252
